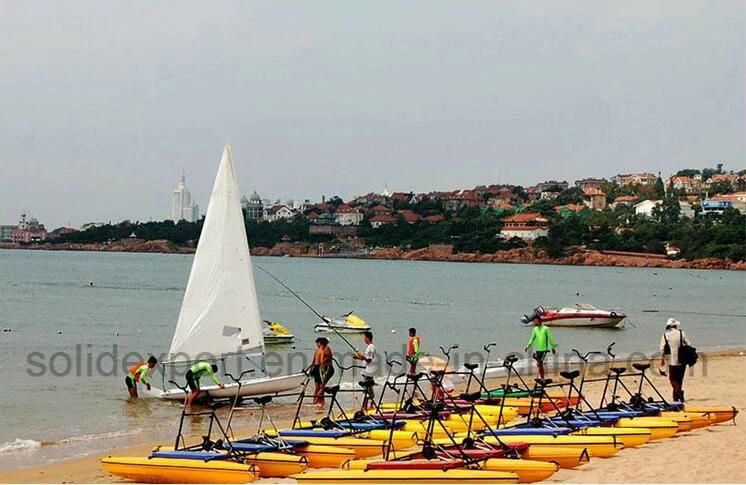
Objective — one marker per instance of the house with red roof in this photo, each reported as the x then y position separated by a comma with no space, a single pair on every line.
595,198
409,216
348,216
525,225
381,220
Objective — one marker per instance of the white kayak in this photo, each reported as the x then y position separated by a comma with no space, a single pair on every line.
251,387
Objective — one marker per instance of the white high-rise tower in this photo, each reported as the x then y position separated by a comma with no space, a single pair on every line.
181,204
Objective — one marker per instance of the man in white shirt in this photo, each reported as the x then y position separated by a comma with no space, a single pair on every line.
674,338
369,357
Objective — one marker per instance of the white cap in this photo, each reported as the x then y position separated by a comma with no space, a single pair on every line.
673,323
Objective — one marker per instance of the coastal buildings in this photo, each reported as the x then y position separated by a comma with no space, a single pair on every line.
182,207
253,206
644,178
645,208
348,216
28,230
590,183
277,212
525,225
6,232
687,184
595,198
718,204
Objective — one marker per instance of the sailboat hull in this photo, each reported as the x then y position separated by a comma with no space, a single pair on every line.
254,387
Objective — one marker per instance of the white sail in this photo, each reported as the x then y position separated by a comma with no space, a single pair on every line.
220,312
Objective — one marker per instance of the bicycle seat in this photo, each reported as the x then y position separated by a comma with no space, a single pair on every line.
417,377
331,390
366,384
570,374
471,366
543,382
641,367
262,400
470,396
511,359
618,370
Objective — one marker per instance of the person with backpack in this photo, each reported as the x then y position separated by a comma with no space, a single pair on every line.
676,344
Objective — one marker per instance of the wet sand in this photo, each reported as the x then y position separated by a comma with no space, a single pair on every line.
711,455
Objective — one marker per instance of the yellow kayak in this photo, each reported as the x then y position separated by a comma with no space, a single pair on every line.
321,456
400,439
277,465
457,475
419,427
716,414
597,446
659,428
177,470
362,447
563,456
698,420
528,471
629,437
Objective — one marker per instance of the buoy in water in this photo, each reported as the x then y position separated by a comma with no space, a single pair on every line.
393,330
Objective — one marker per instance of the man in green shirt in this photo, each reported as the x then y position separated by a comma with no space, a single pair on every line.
541,339
193,375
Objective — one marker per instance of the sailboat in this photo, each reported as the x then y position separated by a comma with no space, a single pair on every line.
219,315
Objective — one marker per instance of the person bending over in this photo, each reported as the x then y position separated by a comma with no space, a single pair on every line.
193,376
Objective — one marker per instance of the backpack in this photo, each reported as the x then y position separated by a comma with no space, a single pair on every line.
687,353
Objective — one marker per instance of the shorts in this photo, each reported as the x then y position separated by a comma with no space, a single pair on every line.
322,376
191,381
130,383
539,355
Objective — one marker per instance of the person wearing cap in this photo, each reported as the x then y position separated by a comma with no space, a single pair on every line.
673,338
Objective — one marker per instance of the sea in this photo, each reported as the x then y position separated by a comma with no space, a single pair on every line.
72,320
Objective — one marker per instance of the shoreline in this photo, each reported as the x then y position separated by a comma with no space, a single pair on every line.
439,253
717,369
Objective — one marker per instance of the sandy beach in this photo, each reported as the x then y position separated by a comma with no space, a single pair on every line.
713,455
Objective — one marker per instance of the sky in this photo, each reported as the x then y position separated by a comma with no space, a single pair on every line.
104,104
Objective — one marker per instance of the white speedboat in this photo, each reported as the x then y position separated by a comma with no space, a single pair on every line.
276,333
578,315
348,323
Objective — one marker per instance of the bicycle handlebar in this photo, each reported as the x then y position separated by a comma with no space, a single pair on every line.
177,385
447,353
608,349
248,371
353,366
489,346
391,362
585,358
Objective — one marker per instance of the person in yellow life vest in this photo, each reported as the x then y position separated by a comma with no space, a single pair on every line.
193,375
139,372
413,350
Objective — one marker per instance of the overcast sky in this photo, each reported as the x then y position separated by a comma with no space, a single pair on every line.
103,104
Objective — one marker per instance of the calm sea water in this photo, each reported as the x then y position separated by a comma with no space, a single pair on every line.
47,301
